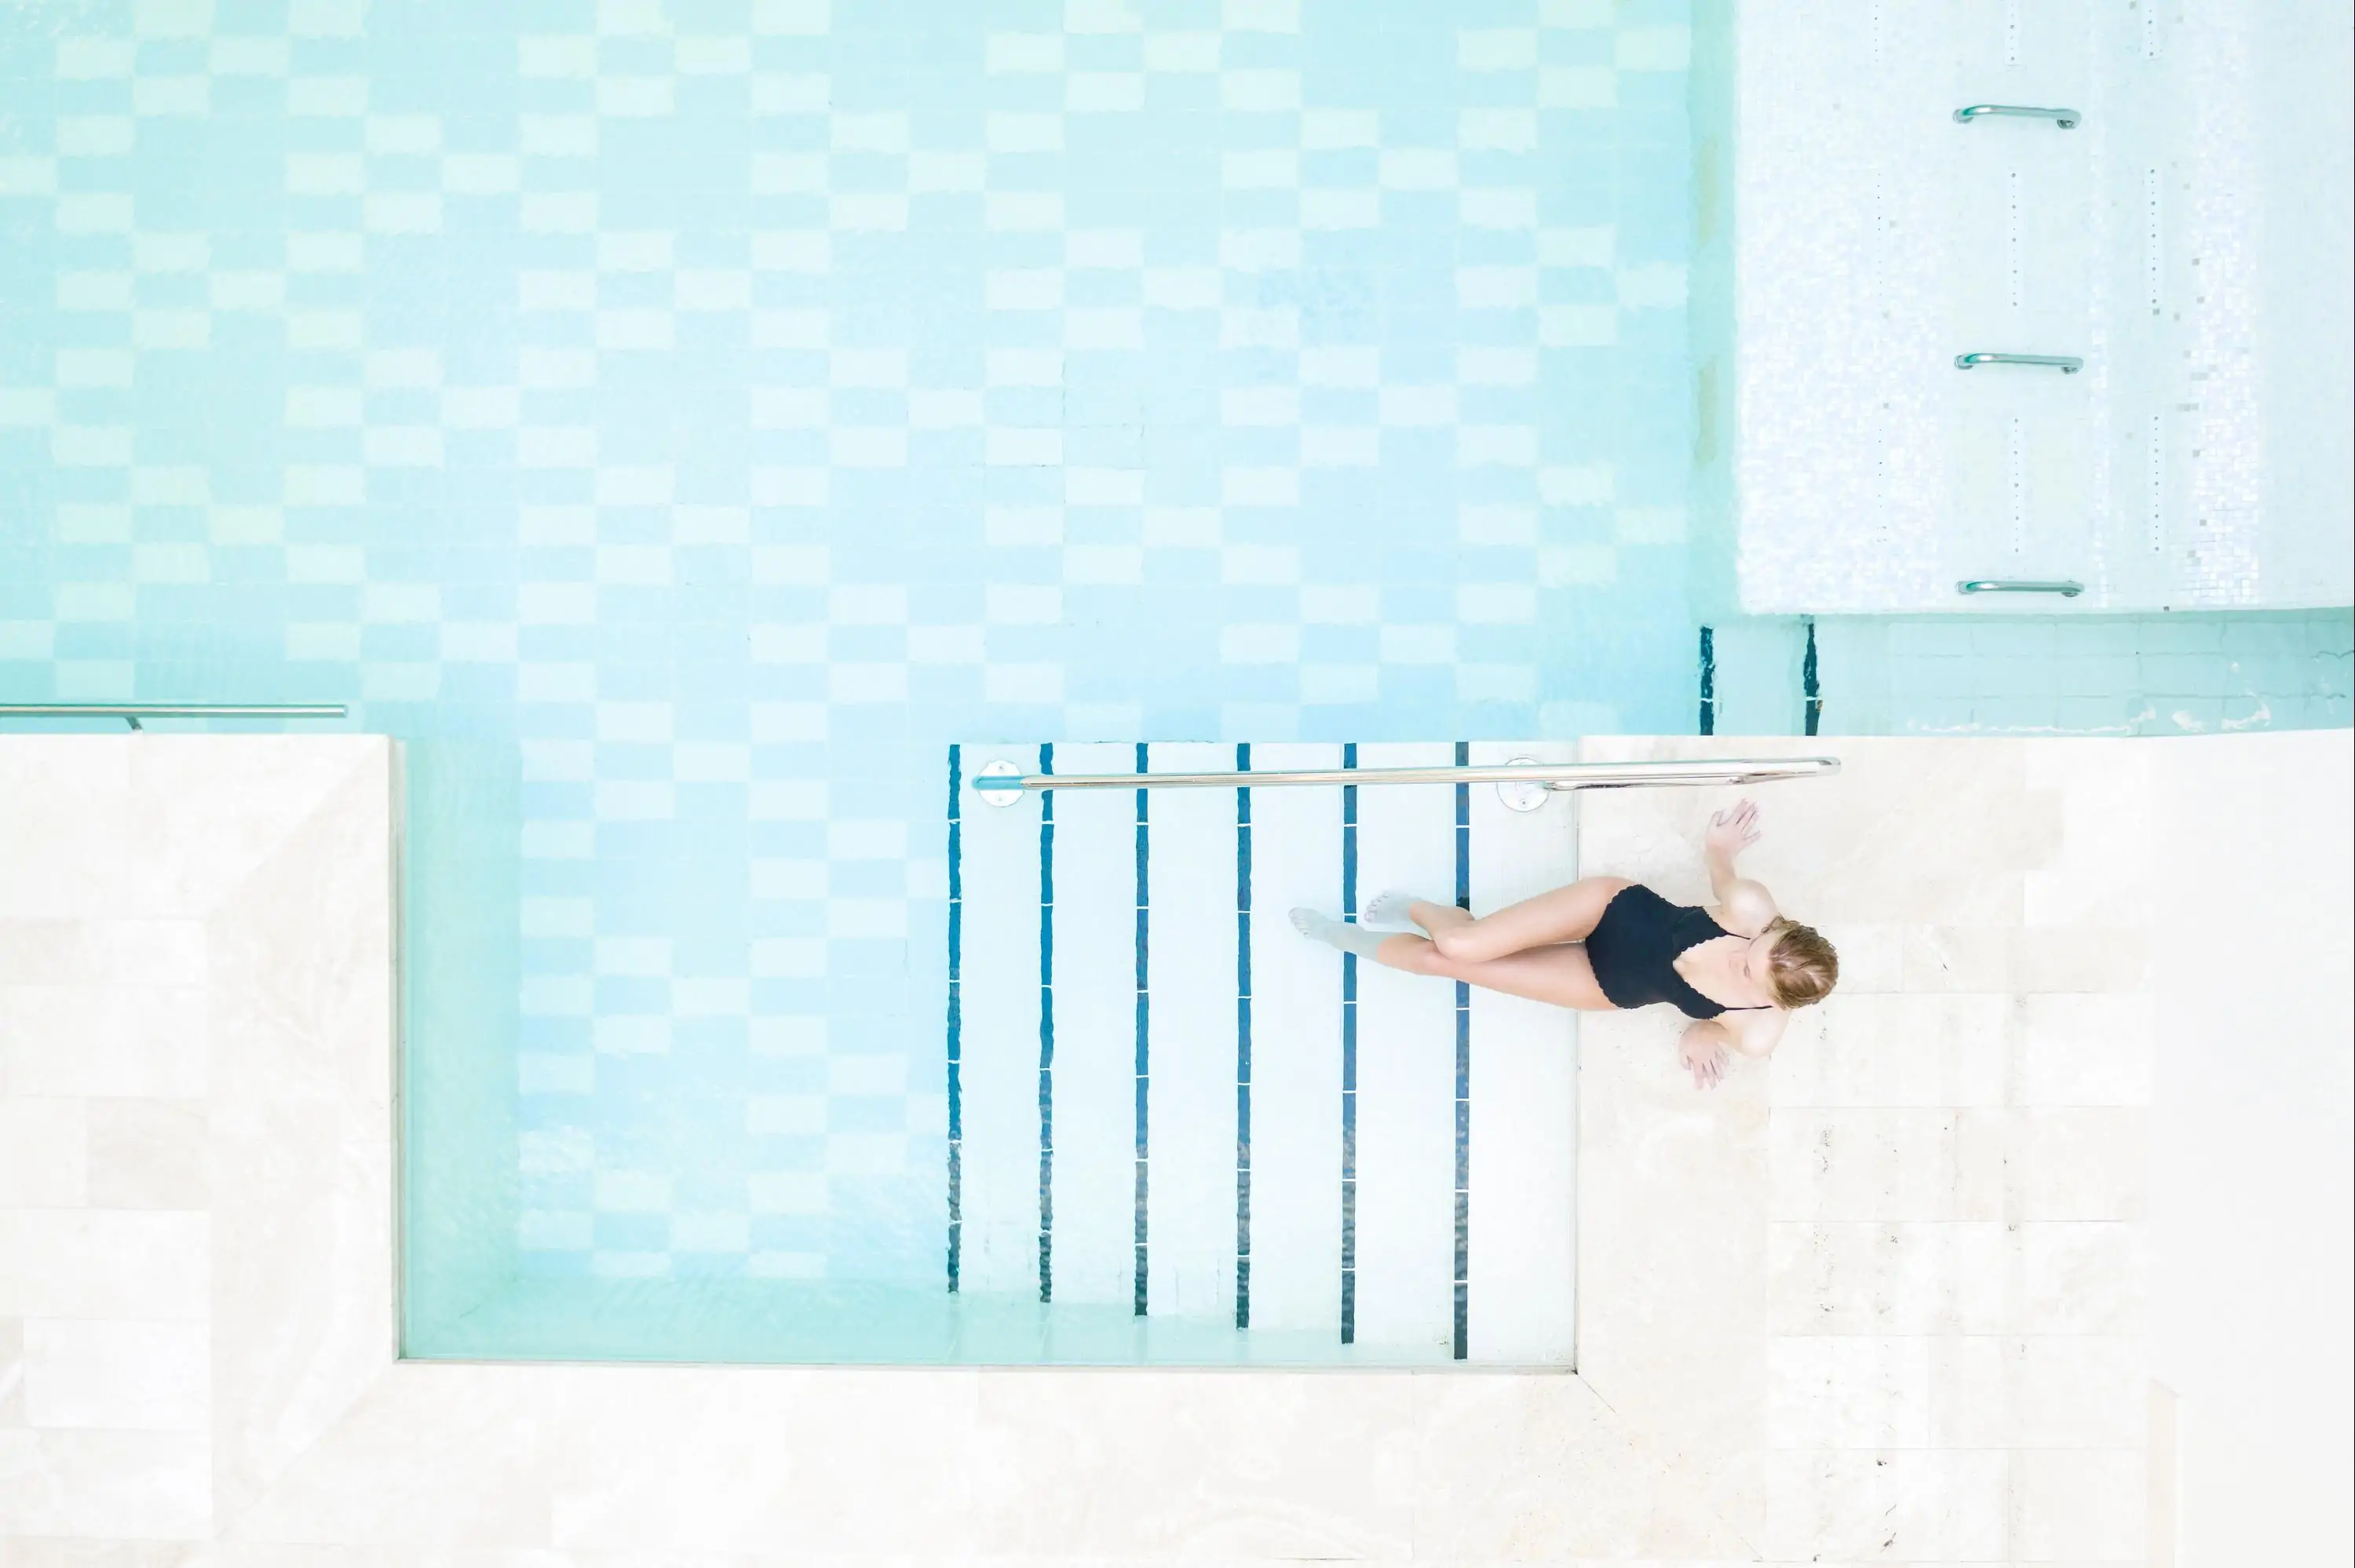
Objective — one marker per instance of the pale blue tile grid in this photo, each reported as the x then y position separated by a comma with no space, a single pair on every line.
733,402
2041,674
2137,674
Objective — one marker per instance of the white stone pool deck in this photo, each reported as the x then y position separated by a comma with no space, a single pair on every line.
1881,1300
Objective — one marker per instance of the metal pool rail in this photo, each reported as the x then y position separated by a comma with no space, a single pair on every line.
2069,590
131,712
1522,783
2066,364
2064,117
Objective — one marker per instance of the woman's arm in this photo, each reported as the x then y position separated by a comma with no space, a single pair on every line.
1743,905
1708,1042
1702,1052
1754,1030
1730,833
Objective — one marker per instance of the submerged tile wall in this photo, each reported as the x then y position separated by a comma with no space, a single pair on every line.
2098,675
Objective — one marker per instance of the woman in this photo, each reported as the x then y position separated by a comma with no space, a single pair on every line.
1736,967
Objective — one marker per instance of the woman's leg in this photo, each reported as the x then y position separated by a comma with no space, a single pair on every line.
1564,915
1437,918
1560,974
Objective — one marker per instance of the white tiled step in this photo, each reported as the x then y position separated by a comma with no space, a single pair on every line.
997,1104
1400,1275
1406,1072
1191,1103
1524,1098
1295,1053
1094,1075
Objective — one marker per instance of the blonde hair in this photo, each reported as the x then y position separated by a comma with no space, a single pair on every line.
1801,967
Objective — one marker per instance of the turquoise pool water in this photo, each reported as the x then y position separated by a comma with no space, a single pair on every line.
678,422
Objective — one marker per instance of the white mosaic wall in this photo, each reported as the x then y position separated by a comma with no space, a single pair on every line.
2187,239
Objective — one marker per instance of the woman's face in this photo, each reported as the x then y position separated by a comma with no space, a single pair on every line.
1757,960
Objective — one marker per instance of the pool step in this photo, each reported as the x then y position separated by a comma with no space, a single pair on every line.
1162,1101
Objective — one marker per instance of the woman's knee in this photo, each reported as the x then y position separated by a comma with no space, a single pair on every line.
1468,946
1424,958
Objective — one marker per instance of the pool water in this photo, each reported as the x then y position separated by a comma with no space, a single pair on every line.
679,423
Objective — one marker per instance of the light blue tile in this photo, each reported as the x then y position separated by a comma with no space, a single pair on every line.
2095,714
2172,674
2096,674
2169,634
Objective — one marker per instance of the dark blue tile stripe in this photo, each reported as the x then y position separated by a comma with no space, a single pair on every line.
1348,1060
956,1018
1708,681
1144,1036
1463,1067
1046,1031
1810,687
1242,1042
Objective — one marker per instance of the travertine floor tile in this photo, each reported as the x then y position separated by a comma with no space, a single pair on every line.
44,1152
111,1263
147,1154
138,1377
1920,1361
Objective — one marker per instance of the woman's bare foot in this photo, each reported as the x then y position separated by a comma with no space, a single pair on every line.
1404,909
1341,934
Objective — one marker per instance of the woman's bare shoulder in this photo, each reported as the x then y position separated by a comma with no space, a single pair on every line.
1748,908
1756,1030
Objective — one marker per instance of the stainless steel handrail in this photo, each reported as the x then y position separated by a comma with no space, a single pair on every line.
2064,117
131,712
2068,364
2067,590
1553,775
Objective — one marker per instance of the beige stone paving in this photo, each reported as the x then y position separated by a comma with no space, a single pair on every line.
1879,1300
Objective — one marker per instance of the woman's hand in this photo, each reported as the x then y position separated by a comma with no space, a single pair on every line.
1704,1057
1731,831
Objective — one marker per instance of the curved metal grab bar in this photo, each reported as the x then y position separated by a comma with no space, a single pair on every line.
2064,117
2068,364
1000,789
131,712
1997,585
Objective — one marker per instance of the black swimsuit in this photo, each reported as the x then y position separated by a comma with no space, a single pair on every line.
1634,949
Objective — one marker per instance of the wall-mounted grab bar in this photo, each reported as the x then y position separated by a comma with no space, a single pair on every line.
131,712
1001,783
1992,585
2068,364
2064,117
